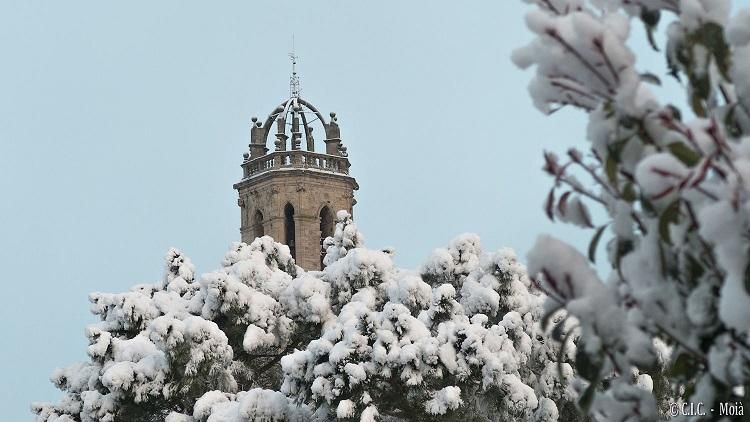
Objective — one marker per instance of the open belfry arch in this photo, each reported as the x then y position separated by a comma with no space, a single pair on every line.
292,192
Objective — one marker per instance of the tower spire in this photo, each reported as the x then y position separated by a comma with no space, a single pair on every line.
294,80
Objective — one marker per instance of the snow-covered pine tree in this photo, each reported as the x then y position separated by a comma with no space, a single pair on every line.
461,339
673,185
260,339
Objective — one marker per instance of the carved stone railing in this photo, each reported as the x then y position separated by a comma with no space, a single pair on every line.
296,159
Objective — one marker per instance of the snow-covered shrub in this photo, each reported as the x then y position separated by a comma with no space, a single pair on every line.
261,339
670,321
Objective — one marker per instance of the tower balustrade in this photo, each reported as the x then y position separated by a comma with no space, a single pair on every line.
297,159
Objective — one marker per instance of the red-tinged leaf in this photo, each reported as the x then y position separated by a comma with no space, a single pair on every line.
610,168
650,19
549,205
575,155
731,122
651,78
683,153
628,192
595,243
675,112
670,216
585,213
550,164
562,203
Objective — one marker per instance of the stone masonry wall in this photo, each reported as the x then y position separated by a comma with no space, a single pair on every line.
308,192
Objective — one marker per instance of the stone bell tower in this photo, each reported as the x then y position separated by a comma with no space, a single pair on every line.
293,192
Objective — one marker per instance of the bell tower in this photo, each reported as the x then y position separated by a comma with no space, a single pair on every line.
292,193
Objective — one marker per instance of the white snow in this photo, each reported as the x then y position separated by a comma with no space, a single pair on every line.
448,398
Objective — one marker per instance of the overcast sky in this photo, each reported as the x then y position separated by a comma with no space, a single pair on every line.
123,124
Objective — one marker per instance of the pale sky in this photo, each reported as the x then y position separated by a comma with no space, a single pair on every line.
123,124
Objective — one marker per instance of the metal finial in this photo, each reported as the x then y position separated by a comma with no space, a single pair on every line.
294,80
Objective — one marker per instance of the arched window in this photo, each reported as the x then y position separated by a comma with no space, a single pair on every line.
258,224
326,229
289,229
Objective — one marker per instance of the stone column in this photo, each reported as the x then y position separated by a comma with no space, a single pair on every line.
296,134
281,134
257,140
333,136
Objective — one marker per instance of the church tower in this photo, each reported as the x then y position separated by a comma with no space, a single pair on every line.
293,192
